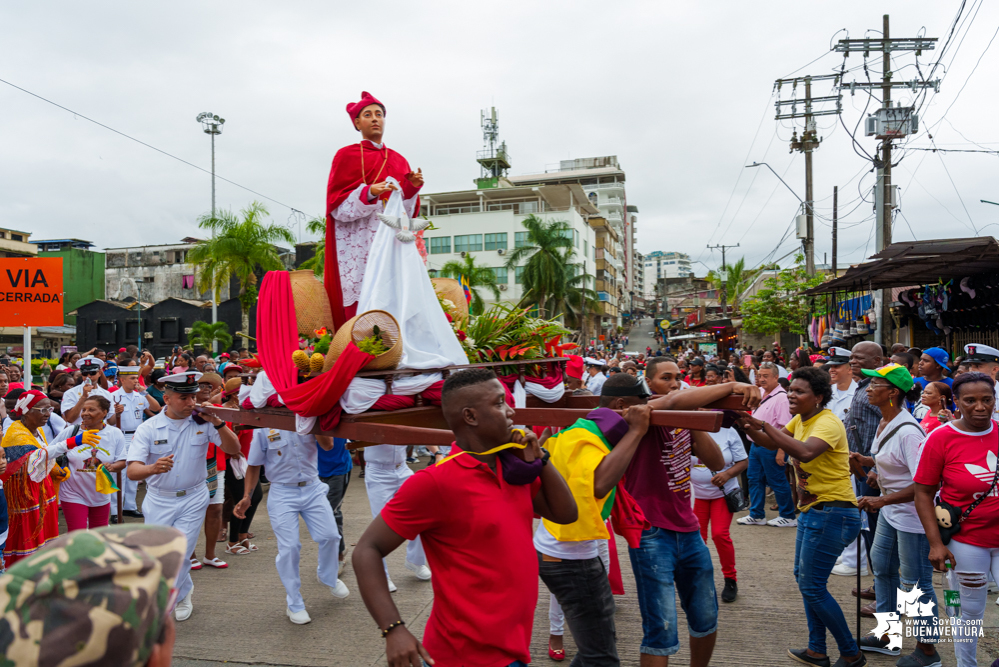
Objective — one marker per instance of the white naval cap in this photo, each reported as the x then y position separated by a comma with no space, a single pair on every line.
90,363
838,356
978,353
182,383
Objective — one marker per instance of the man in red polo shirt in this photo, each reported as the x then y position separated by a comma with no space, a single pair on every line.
479,536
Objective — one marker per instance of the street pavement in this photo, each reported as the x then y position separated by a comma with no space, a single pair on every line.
239,613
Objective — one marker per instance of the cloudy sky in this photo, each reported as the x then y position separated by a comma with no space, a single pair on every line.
681,92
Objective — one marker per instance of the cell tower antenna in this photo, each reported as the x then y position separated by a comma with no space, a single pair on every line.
493,159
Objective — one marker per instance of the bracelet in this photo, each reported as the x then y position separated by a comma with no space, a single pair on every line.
392,627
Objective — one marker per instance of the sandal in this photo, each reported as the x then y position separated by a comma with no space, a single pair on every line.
249,546
222,537
250,536
216,563
195,564
237,549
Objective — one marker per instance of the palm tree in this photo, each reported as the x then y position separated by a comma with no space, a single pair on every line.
546,256
318,261
239,245
735,280
478,277
203,334
578,302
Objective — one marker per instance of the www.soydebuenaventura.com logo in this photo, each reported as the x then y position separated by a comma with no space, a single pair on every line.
918,619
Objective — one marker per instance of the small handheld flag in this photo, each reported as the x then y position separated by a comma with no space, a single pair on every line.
105,482
465,287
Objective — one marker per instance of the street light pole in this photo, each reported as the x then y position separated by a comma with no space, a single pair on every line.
809,209
212,125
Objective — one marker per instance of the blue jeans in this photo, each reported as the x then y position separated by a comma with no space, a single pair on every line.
901,560
764,472
668,562
822,536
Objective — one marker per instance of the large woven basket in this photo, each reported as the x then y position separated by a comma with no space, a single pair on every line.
449,288
362,326
312,305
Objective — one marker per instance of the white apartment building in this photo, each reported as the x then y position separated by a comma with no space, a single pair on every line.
660,265
603,181
487,223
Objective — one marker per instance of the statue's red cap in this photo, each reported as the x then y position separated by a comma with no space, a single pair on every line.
354,110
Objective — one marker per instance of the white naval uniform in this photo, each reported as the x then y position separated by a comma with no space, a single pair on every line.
177,498
72,397
594,383
292,468
385,470
129,420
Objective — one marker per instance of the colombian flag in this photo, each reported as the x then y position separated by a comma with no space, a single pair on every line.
105,482
468,292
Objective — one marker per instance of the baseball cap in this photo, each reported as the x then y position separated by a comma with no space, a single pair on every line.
91,597
938,354
897,375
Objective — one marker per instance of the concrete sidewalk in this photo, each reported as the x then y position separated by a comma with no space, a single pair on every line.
239,613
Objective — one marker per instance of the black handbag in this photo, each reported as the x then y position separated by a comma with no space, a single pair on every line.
735,499
949,517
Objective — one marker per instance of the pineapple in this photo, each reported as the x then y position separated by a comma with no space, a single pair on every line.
301,359
316,362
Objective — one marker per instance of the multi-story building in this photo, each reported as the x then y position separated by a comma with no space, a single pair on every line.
82,271
15,244
486,224
610,268
660,265
603,181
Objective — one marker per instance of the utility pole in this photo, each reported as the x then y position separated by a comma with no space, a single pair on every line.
887,124
724,289
807,144
212,125
834,226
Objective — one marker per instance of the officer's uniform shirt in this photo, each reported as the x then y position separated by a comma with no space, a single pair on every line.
73,396
188,442
385,456
595,383
290,458
135,403
841,399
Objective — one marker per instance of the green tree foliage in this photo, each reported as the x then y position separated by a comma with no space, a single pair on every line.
203,334
318,261
735,280
478,277
780,306
240,244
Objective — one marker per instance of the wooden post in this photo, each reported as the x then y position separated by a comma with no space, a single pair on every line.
121,517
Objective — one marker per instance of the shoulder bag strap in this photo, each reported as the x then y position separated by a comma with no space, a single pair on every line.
995,480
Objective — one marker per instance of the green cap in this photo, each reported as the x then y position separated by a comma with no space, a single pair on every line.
894,373
91,597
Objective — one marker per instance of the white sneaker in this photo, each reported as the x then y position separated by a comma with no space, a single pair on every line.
299,617
781,522
422,572
392,587
839,560
847,571
748,520
184,609
340,590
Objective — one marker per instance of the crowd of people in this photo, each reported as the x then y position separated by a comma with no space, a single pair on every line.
894,448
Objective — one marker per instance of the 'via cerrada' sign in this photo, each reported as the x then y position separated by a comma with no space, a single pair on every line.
31,292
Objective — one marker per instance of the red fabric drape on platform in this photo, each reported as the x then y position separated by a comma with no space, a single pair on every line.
277,338
552,379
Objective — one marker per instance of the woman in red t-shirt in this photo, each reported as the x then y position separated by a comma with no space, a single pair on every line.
935,399
695,375
960,458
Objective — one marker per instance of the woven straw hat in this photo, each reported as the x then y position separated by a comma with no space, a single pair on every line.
312,305
362,326
449,288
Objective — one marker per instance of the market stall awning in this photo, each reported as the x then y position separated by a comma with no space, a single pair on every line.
705,336
918,263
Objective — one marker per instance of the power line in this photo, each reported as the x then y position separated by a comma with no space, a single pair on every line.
143,143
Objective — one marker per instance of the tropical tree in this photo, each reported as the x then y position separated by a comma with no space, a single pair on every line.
478,278
238,247
546,256
204,334
318,261
780,306
733,280
576,301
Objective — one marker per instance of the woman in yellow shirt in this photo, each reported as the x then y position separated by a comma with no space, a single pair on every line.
816,441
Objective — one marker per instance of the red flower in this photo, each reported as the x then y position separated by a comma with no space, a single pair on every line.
461,334
448,316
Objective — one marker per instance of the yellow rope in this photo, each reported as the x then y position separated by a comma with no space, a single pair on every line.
509,445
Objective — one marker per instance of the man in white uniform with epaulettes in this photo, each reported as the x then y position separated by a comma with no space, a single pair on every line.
292,462
169,452
135,405
72,400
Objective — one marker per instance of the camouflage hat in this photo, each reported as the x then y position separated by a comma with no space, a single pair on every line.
91,597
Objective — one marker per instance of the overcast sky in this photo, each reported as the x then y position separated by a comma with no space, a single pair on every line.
679,91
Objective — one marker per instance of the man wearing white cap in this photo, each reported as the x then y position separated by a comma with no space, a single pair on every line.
72,400
844,386
132,407
169,452
596,379
983,359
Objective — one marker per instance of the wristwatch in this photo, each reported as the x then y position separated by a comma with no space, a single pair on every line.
545,455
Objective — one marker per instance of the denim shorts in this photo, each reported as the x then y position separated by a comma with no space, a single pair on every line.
668,563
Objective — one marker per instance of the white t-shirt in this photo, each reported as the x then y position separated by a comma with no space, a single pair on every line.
733,450
81,487
547,544
896,461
